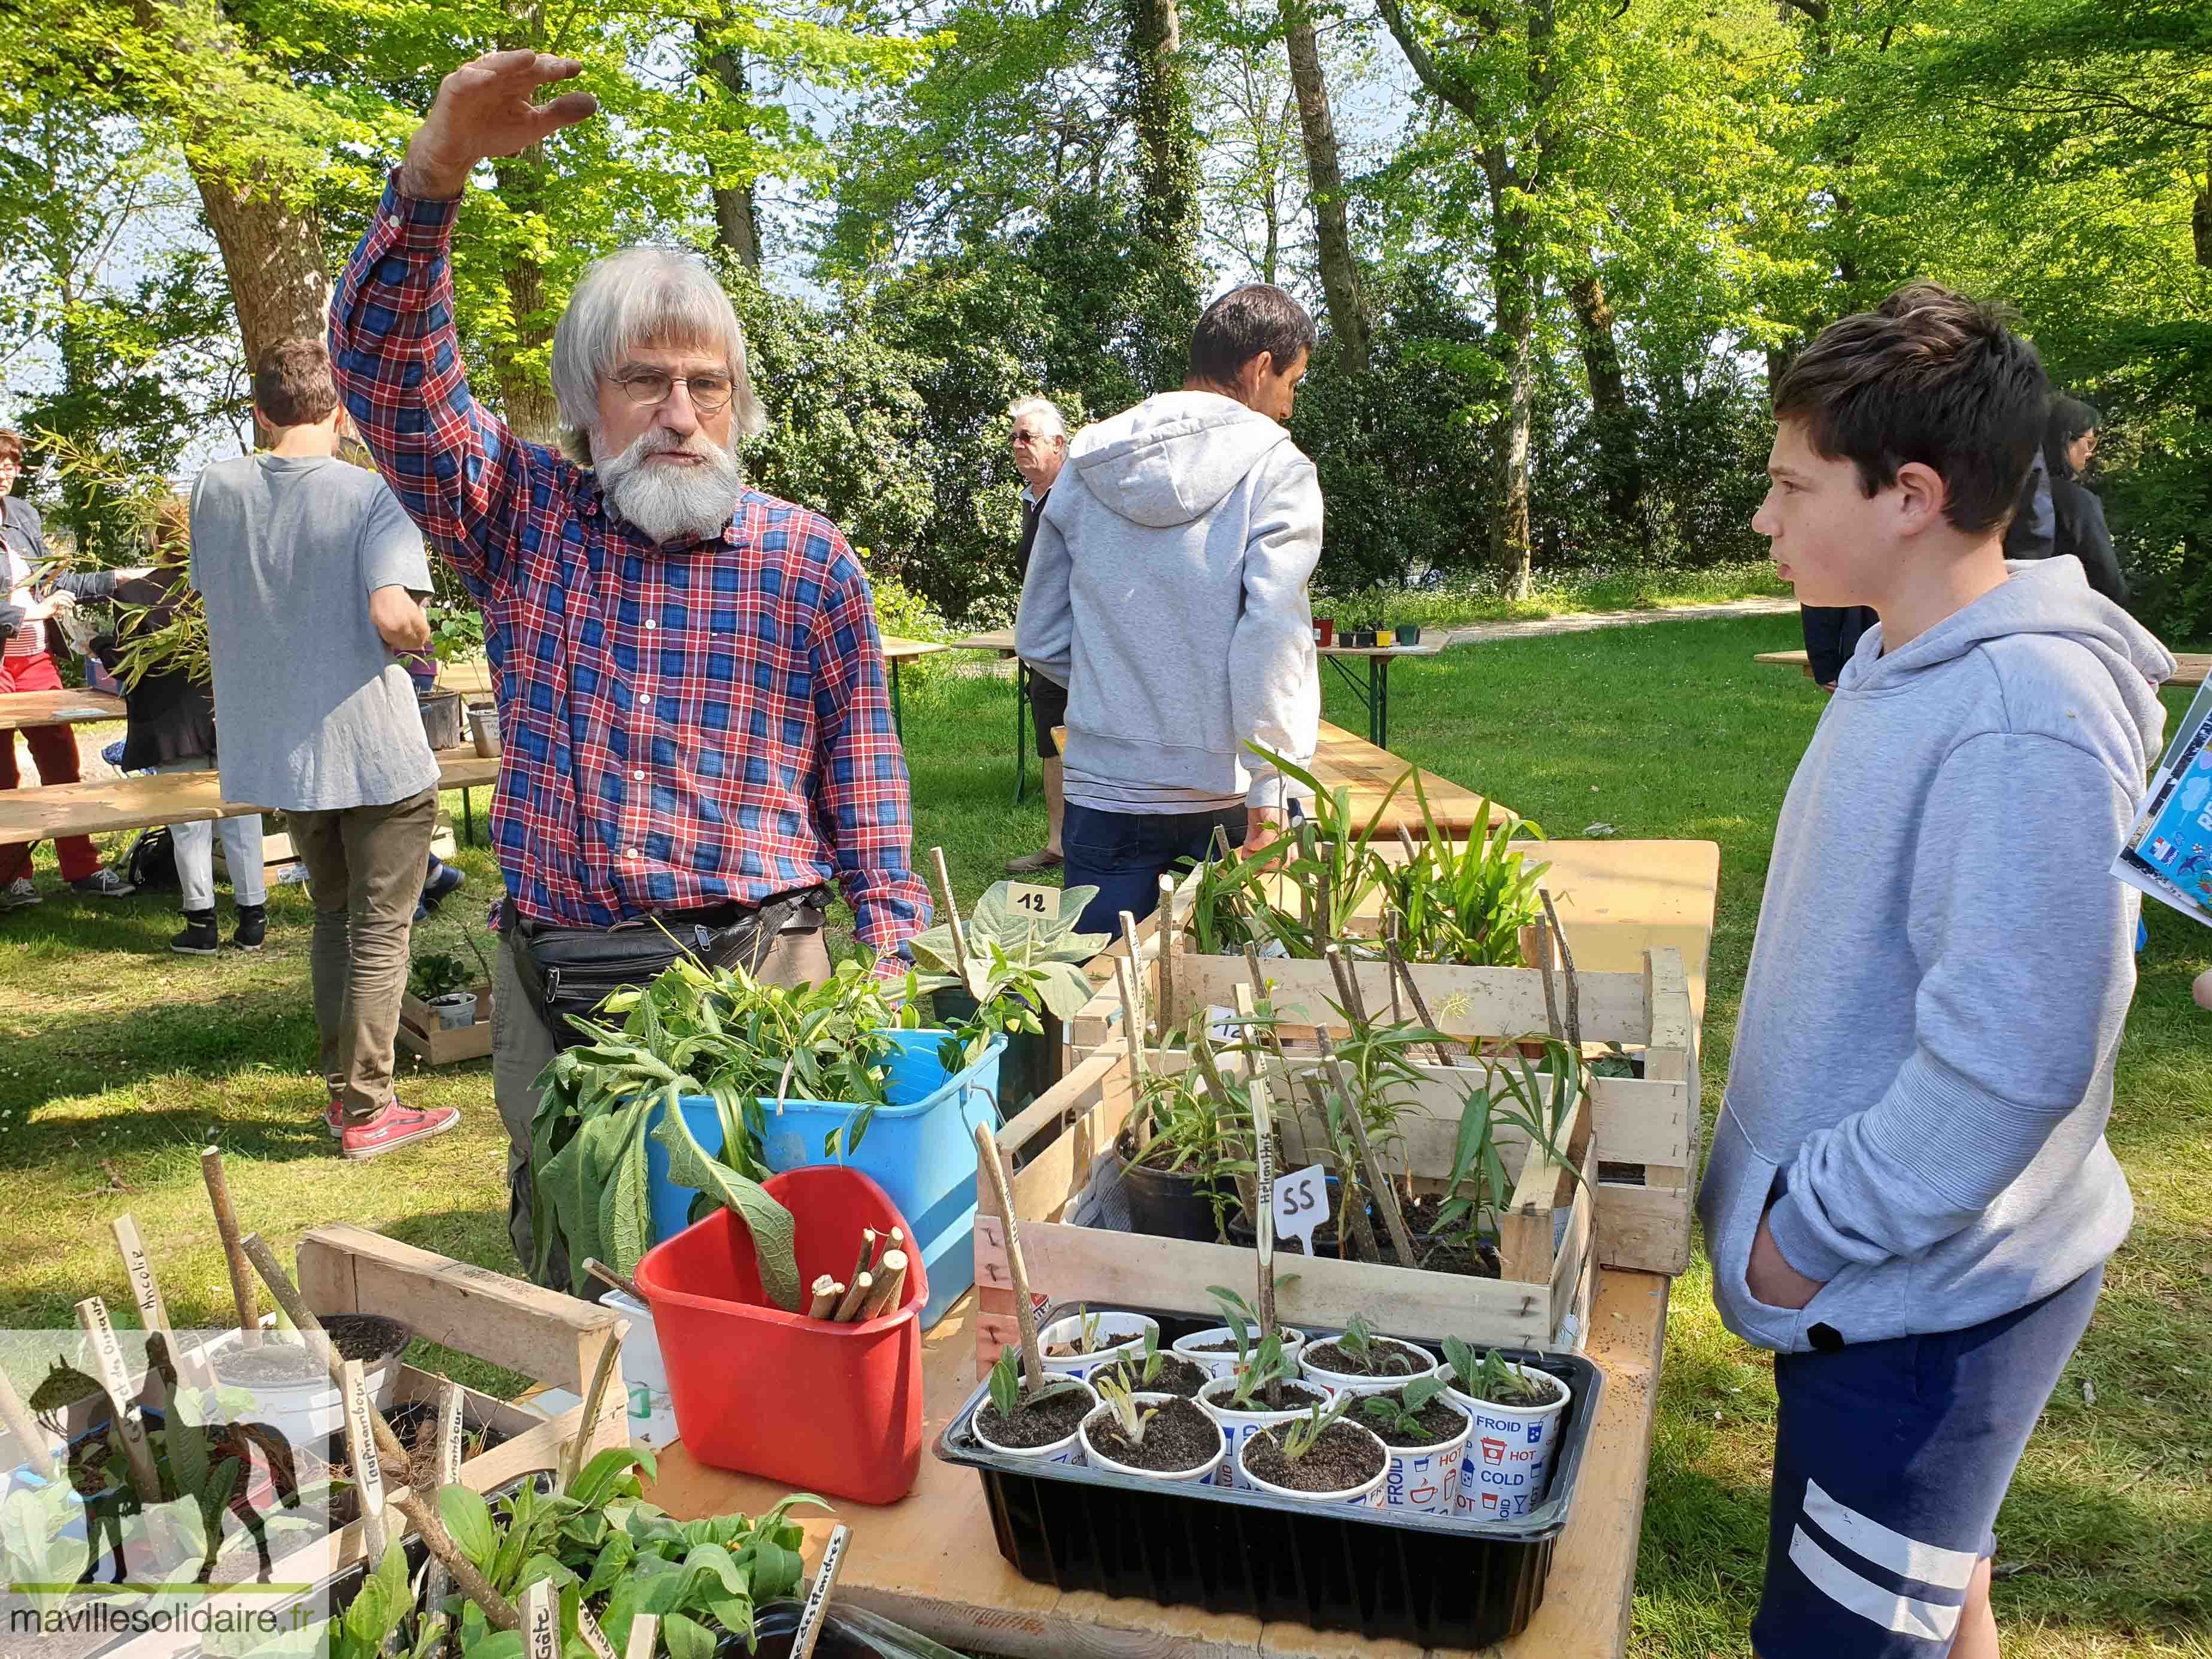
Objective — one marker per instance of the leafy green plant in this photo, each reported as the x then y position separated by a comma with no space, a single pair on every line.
1116,1394
1401,1415
1142,1370
1018,961
1298,1439
1494,1377
1380,1357
1465,900
1005,1382
436,974
1198,1123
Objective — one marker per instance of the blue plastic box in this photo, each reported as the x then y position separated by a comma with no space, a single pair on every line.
920,1149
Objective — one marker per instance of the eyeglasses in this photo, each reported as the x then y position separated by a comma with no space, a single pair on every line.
646,387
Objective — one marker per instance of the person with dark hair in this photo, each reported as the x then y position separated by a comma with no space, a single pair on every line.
1909,1198
1167,593
1039,441
2069,439
310,570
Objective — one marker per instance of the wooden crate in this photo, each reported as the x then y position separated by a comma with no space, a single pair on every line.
557,1340
421,1036
1646,1136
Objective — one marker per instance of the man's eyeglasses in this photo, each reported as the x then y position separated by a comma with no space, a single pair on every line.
646,387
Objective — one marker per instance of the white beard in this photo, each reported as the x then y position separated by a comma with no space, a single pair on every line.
666,503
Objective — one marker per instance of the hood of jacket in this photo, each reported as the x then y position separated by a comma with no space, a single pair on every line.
1173,458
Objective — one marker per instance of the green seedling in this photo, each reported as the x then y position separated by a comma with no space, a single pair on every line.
1494,1377
1380,1357
1258,1376
1402,1416
1115,1392
1298,1439
1144,1369
1005,1385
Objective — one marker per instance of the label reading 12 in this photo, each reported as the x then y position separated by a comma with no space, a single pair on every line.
1300,1204
1038,903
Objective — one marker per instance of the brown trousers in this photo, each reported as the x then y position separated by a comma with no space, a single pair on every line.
521,1048
364,867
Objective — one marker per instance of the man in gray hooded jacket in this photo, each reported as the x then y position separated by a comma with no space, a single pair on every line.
1167,591
1910,1199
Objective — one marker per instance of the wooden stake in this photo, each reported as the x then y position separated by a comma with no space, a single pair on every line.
1399,966
1567,963
826,1291
1132,1020
644,1630
1164,933
813,1614
361,1453
1389,944
850,1304
610,1364
115,1377
153,1311
1386,1195
1361,1231
226,1227
30,1439
867,1259
613,1280
952,921
540,1622
1348,985
1323,931
1407,841
994,1170
1263,1219
890,1283
1152,1037
446,1452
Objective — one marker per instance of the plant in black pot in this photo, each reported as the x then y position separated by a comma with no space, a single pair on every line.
1185,1146
1022,974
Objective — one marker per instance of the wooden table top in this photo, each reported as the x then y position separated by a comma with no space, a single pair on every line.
111,804
2190,666
1343,759
1376,650
896,649
71,706
997,638
930,1562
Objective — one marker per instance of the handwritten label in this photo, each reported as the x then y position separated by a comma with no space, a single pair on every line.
1037,903
1300,1204
107,1355
361,1446
1223,1027
153,1313
818,1597
594,1637
449,1435
541,1625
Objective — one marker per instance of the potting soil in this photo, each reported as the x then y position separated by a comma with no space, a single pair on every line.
1178,1377
1548,1390
1042,1422
1439,1421
272,1362
365,1337
1330,1357
1339,1461
1179,1437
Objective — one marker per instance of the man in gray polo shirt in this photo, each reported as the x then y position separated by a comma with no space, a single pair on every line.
310,569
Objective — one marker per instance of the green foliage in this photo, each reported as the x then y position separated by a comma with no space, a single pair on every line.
435,973
1494,1377
1117,1393
1019,964
1399,1413
1298,1439
1467,901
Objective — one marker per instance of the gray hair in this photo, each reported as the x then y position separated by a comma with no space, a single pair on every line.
639,296
1044,406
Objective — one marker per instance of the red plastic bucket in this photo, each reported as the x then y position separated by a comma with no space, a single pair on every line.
835,1409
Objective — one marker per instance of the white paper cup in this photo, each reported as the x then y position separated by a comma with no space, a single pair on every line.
1508,1457
1120,1336
1224,1362
1426,1364
1239,1426
1368,1495
1098,1460
1424,1479
1068,1451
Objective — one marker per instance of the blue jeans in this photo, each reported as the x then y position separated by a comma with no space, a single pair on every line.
1124,854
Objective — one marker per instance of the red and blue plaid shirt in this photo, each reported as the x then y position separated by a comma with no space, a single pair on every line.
682,724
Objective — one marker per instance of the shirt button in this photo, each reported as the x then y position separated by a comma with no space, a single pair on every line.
633,853
638,776
392,220
650,625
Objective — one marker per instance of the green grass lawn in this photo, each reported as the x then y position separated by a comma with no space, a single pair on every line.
118,1061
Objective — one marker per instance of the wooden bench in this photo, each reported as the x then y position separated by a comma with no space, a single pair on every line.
72,706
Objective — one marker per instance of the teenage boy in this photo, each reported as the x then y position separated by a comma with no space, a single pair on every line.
310,569
1167,591
1910,1199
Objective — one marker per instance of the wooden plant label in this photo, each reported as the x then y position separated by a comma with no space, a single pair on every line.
1300,1204
594,1637
1223,1029
107,1355
643,1630
145,1289
818,1596
541,1621
1035,902
449,1472
368,1466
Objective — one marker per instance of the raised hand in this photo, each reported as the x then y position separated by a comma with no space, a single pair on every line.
488,108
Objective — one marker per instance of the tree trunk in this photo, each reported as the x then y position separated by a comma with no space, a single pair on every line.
1610,415
737,215
1340,273
1514,304
525,395
2200,219
1167,143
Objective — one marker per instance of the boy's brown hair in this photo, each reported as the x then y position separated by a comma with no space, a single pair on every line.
1929,376
11,446
292,383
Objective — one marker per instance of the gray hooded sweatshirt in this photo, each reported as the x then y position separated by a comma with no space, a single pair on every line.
1167,591
1924,1061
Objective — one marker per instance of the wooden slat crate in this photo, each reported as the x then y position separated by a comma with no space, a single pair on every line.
421,1036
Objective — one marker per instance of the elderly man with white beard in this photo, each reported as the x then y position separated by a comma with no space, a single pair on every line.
693,708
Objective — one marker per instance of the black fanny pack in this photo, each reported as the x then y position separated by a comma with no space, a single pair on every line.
569,971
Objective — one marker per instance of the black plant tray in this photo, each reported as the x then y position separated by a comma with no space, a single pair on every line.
1436,1580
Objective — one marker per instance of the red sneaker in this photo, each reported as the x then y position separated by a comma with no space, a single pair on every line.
334,1118
393,1128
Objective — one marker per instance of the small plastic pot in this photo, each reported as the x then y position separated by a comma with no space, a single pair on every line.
1123,1333
1409,635
1324,630
1385,638
1223,1362
1169,1203
1424,1479
1508,1458
1427,1364
1239,1426
454,1010
1068,1451
1368,1495
1200,1474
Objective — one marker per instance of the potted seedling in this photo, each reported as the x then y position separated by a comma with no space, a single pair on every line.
1226,1350
1154,1437
1151,1372
1264,1392
1426,1433
442,982
290,1388
1185,1147
1515,1412
1042,1425
1320,1457
1082,1345
1356,1361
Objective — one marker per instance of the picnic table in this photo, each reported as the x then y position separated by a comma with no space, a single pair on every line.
473,678
2190,669
72,706
1376,697
930,1561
